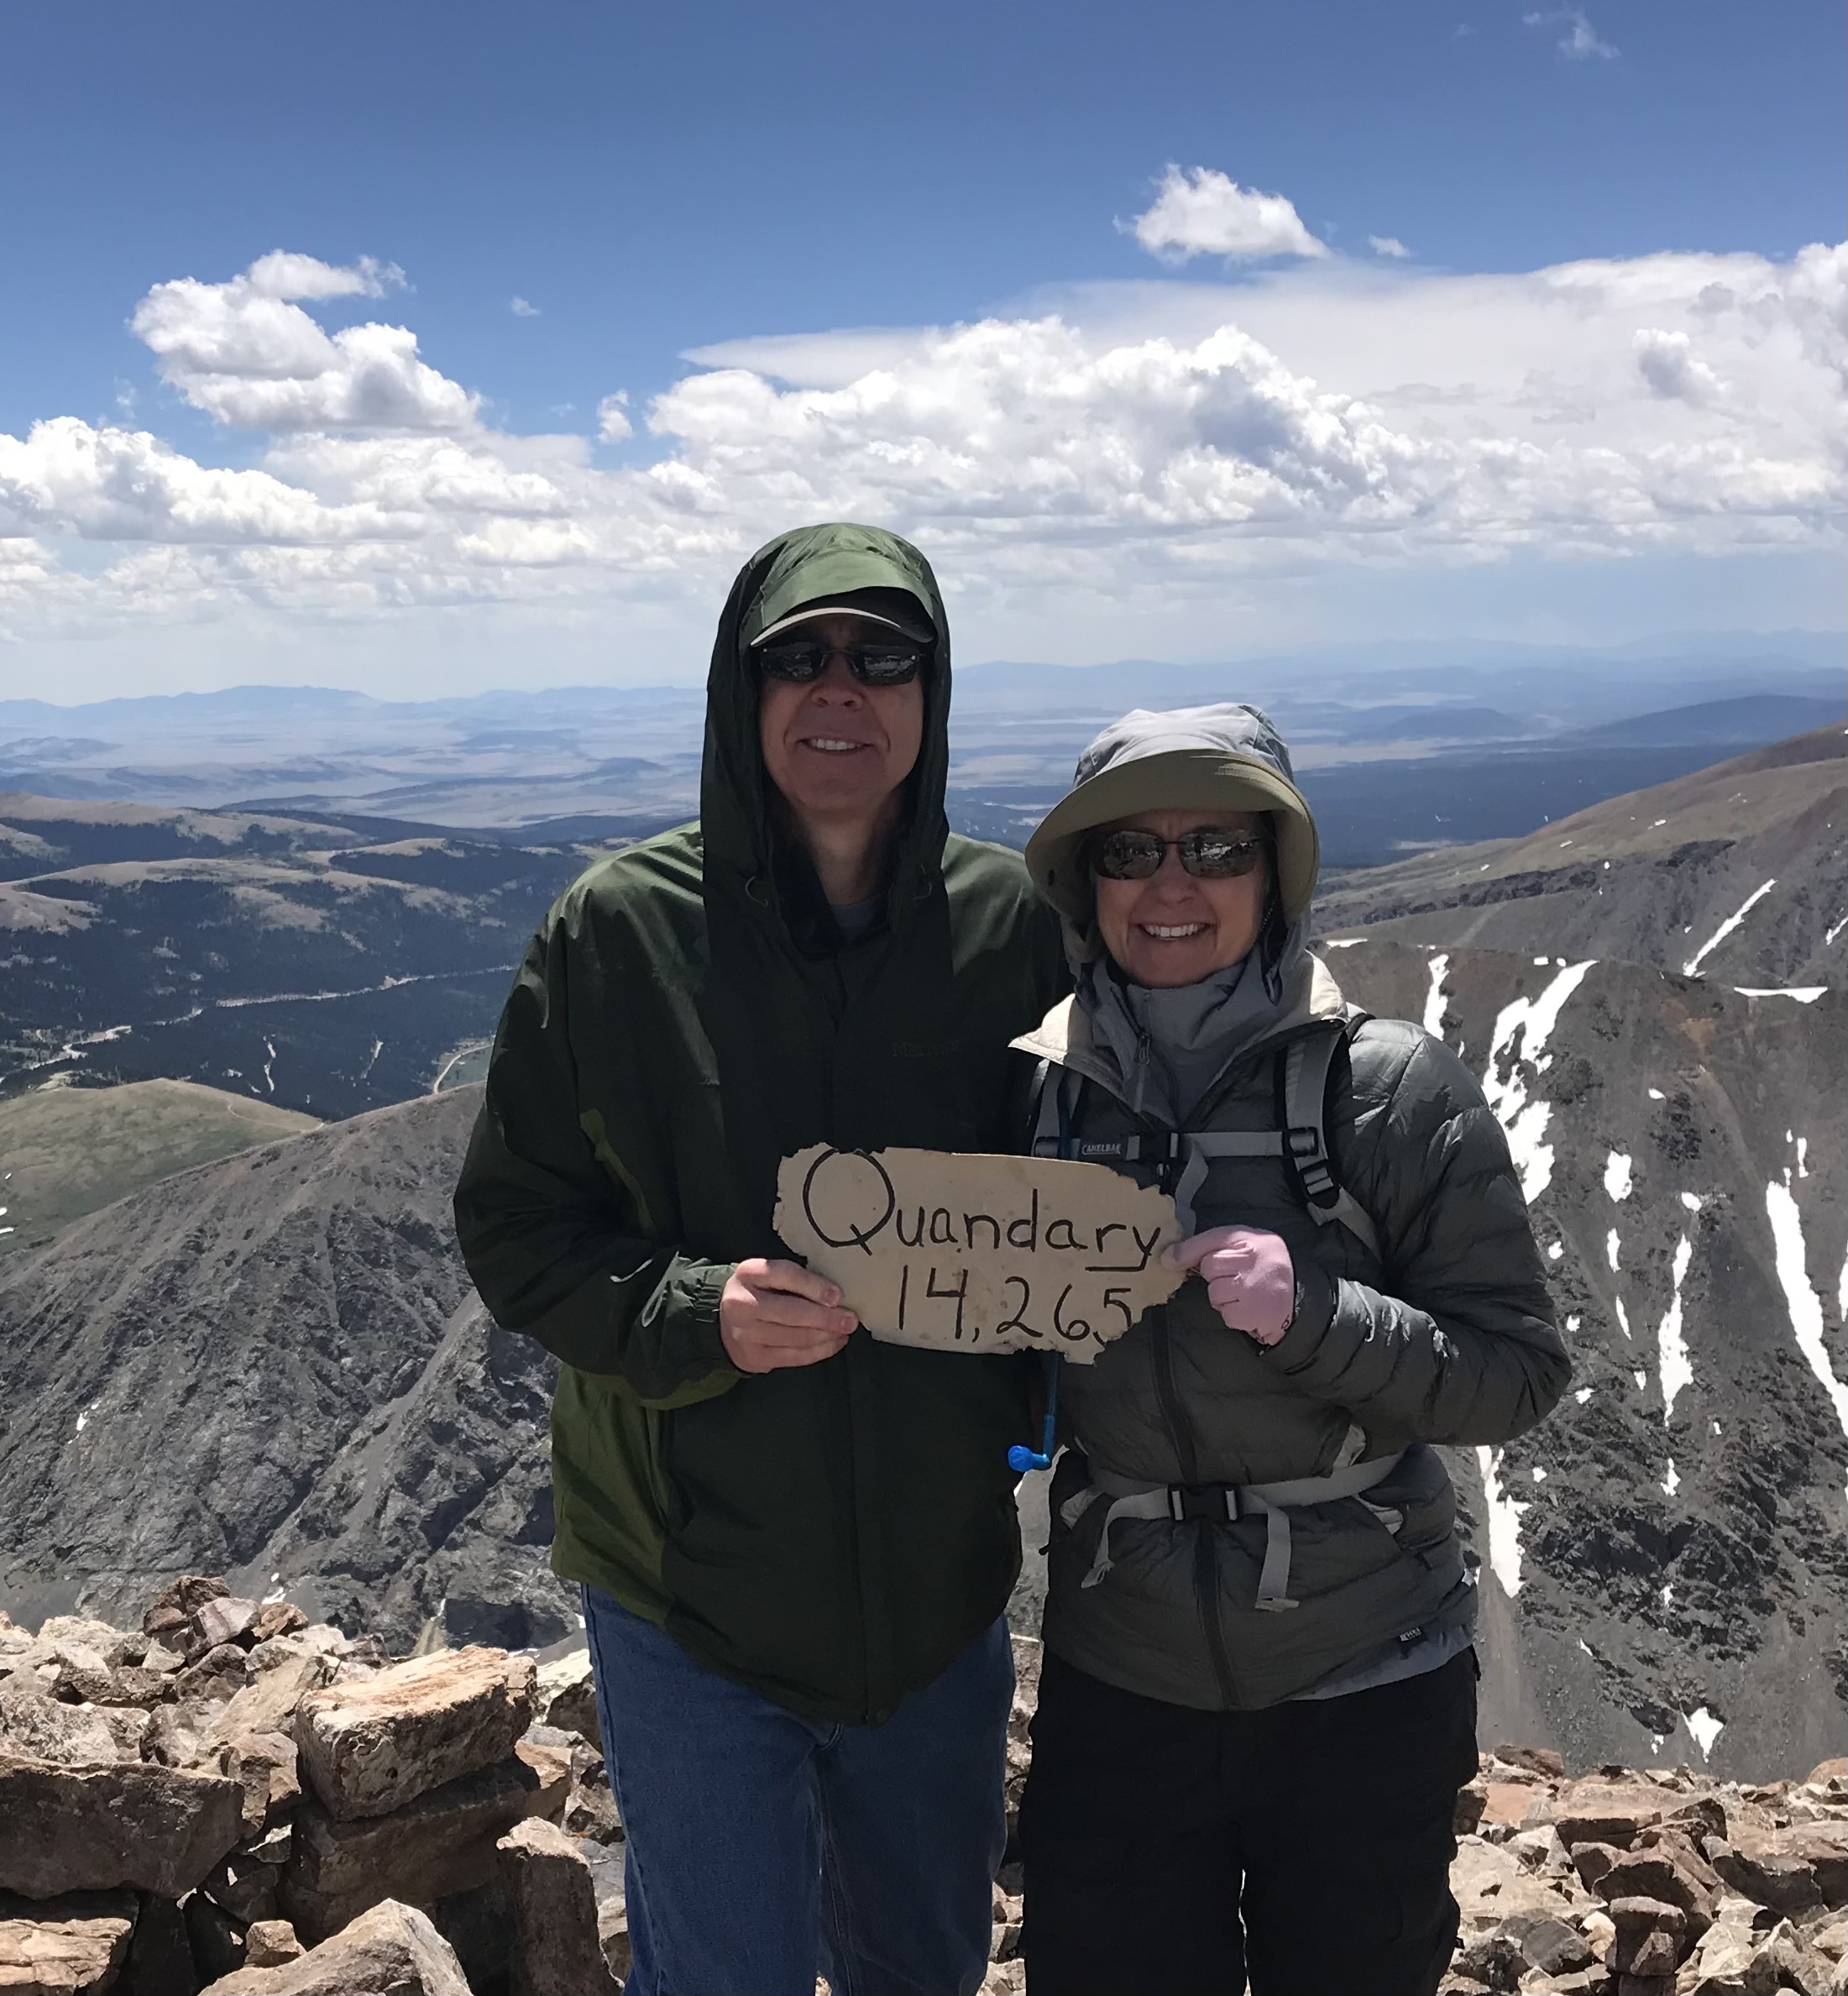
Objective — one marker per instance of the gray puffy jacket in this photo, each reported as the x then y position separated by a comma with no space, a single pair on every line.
1445,1334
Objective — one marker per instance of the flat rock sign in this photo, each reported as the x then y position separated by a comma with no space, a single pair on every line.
960,1252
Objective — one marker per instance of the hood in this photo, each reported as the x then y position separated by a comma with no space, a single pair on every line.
1222,757
834,563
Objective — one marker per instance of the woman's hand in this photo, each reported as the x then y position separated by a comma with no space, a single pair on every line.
776,1313
1250,1279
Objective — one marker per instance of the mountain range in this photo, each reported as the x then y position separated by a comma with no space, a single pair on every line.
590,761
1739,873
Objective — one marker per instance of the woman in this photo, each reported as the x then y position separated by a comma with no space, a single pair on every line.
1258,1696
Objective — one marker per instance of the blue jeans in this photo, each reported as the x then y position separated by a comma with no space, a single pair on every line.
763,1848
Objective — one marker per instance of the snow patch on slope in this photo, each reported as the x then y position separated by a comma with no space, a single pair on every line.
1504,1523
1677,1368
1691,968
1434,998
1526,1122
1804,1305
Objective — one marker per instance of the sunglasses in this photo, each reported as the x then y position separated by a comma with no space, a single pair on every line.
1206,855
872,665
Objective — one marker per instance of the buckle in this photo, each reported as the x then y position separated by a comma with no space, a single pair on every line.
1304,1139
1217,1502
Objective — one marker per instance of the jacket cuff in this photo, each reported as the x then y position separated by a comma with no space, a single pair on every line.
699,1311
1315,1312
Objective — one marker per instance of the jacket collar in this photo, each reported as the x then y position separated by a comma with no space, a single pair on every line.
1065,1037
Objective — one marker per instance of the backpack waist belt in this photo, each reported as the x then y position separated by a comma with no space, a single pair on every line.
1225,1503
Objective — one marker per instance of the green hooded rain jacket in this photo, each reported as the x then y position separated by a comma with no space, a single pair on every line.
833,1535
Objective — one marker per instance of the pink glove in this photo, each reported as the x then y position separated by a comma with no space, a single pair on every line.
1250,1279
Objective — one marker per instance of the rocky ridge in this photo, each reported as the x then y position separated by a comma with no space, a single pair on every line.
1664,1572
274,1366
1739,872
233,1799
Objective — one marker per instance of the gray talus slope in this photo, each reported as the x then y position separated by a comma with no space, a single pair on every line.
1669,1548
274,1364
1656,876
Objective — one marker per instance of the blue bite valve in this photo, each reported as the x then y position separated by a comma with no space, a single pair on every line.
1022,1458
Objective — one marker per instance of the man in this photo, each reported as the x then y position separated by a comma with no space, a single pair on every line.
795,1543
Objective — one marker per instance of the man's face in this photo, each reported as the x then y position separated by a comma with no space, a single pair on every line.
839,751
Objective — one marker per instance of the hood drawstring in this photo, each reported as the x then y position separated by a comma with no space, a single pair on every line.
1272,935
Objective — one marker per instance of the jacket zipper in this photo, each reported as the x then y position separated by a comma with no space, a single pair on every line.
1206,1563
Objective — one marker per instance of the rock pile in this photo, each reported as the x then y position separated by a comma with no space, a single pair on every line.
236,1801
1657,1883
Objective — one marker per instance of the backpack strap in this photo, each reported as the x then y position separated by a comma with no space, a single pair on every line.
1054,1128
1302,1101
1054,1101
1302,1069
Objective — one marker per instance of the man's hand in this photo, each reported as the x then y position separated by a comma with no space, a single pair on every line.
1250,1279
776,1314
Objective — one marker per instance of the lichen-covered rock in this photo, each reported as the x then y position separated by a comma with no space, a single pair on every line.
1652,1937
71,1946
553,1904
111,1645
175,1606
1607,1812
442,1842
32,1727
391,1949
565,1696
1491,1885
93,1829
369,1747
269,1943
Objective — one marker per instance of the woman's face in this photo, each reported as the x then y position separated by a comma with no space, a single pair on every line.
1171,928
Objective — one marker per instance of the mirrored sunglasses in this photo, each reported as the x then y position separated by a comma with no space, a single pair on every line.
872,665
1206,855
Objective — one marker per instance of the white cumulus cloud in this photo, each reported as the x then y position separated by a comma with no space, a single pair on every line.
522,309
613,423
1159,443
1388,246
113,484
1668,362
1581,42
1199,211
286,274
245,352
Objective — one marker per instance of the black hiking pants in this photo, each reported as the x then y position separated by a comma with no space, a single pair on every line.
1172,1853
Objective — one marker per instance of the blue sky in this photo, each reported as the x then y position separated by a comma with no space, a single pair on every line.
661,182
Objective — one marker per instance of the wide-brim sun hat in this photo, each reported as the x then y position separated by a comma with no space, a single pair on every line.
1226,758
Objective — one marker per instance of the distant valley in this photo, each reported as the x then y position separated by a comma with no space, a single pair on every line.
1405,746
308,962
301,948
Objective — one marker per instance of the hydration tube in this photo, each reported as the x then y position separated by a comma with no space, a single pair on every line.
1020,1458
